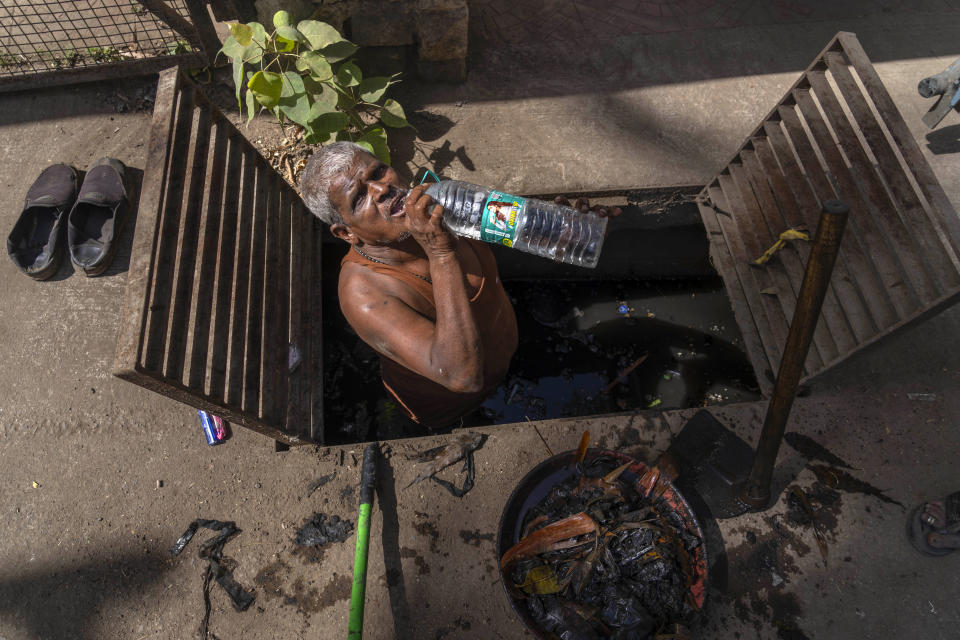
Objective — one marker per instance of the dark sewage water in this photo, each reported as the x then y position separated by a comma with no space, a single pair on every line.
586,348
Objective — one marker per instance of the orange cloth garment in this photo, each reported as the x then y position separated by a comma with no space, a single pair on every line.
425,401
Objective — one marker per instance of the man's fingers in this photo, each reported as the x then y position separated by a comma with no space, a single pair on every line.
562,200
416,191
582,205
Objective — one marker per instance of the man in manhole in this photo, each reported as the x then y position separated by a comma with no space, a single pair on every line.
429,303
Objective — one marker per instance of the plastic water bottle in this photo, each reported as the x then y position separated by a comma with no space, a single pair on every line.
545,229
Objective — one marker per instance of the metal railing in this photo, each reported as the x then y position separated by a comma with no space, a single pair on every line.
48,42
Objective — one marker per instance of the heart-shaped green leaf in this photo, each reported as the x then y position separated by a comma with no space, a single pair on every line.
251,106
231,48
259,33
316,137
284,45
266,87
289,33
281,19
243,33
316,65
297,108
377,138
292,85
318,34
238,78
372,89
393,115
294,102
366,145
349,75
331,121
324,98
339,51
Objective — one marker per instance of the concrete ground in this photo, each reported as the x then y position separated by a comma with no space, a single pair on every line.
101,477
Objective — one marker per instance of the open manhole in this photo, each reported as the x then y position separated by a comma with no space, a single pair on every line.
650,327
225,277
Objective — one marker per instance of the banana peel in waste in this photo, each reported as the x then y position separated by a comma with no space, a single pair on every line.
789,234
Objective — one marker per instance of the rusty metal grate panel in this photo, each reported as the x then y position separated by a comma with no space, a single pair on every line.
224,276
836,134
47,42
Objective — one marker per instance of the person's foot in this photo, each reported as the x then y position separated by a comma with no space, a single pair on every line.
35,243
98,216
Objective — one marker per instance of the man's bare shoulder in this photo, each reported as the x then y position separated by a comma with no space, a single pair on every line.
363,291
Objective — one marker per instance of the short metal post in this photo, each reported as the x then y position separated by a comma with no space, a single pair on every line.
756,490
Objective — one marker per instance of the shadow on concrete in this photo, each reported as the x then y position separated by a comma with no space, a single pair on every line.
944,140
387,498
65,602
550,48
547,48
68,102
121,261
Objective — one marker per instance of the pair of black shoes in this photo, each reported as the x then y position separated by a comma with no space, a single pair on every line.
91,217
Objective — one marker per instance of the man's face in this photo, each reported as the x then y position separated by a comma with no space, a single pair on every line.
369,195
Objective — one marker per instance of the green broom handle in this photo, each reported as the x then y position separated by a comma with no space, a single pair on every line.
368,480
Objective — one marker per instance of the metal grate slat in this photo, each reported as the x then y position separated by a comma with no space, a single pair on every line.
224,275
835,134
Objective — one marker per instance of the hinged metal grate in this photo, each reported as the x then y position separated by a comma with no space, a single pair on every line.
835,135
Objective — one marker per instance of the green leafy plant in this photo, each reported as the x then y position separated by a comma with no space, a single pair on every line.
178,47
104,54
303,74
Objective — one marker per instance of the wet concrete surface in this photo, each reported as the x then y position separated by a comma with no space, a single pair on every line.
86,528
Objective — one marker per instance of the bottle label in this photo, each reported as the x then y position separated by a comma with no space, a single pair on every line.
500,212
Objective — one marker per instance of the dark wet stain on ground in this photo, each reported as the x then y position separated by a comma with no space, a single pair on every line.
346,494
336,590
843,481
759,569
628,440
458,625
429,529
304,597
270,578
422,566
475,537
309,555
825,503
813,450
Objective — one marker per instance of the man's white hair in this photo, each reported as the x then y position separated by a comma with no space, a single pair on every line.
321,168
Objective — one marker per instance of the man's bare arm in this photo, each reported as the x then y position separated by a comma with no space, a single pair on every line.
448,350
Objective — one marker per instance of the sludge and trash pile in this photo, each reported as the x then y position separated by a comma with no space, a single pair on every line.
599,558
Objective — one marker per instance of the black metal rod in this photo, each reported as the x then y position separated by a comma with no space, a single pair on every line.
816,279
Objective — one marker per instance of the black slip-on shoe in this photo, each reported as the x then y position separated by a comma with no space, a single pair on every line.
36,242
95,222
